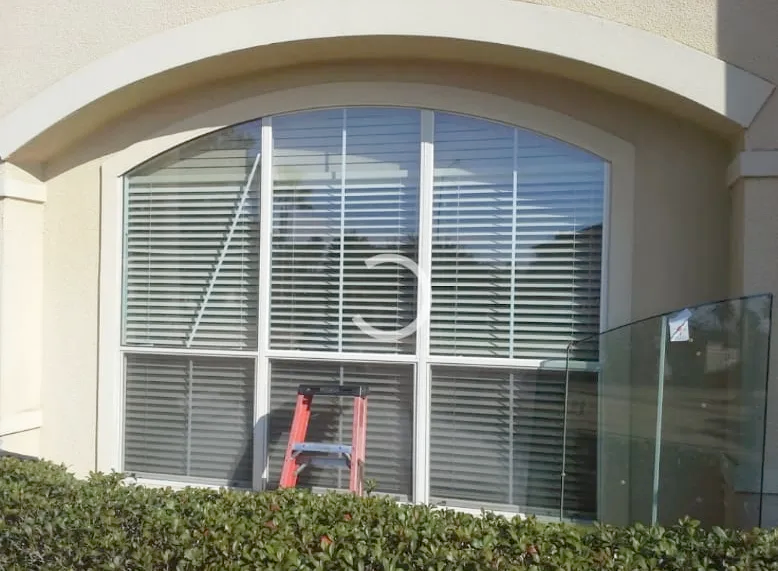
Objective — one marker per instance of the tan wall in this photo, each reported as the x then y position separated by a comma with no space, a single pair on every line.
756,210
684,218
20,291
71,250
60,37
21,320
681,226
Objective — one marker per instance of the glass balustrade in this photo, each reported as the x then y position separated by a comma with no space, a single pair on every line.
676,419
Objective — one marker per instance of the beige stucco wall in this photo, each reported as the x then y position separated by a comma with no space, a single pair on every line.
21,319
60,37
71,248
20,293
755,266
686,229
678,259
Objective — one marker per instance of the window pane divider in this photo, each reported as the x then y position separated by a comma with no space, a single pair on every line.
605,247
195,352
262,378
421,468
389,358
510,438
513,241
503,363
189,397
342,261
512,319
604,324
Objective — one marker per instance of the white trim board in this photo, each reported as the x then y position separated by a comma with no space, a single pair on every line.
21,422
725,89
14,187
753,164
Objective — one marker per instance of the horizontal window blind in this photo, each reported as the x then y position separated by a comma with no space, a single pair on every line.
190,417
515,273
191,251
496,438
389,421
517,242
345,191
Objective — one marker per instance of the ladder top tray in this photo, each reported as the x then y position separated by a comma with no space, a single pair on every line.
322,447
333,390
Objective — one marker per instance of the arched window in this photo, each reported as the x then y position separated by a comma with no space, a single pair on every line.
446,261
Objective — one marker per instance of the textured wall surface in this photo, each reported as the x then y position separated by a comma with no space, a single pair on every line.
71,253
683,212
42,41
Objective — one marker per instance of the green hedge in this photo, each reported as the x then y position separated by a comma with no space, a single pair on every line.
51,520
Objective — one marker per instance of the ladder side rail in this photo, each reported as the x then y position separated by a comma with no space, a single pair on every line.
297,433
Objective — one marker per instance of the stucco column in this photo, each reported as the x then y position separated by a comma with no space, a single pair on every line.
22,200
753,178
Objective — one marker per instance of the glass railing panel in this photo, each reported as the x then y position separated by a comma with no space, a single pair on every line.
624,431
713,413
681,405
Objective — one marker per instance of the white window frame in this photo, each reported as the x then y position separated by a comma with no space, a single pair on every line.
617,242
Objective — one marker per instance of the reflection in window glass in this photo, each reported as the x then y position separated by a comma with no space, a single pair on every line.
517,241
186,210
346,186
190,417
516,252
510,422
389,425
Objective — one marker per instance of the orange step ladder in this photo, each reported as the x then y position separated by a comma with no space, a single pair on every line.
300,453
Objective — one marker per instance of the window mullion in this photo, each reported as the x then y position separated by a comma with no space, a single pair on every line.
342,254
511,317
605,247
602,448
183,352
424,289
189,397
511,424
262,368
515,204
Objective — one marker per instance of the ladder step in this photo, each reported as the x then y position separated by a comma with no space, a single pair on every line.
328,462
322,447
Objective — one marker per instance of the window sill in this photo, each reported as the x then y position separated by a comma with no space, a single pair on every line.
402,500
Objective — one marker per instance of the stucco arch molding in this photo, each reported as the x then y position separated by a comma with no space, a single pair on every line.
712,83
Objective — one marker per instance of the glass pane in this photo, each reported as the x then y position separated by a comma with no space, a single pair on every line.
346,185
511,424
712,438
190,417
517,241
389,456
682,401
191,255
